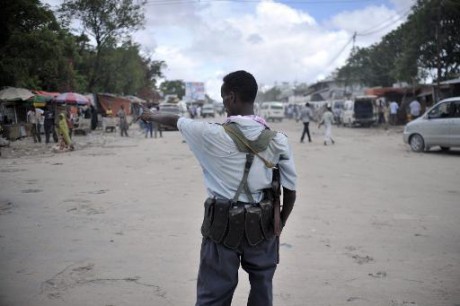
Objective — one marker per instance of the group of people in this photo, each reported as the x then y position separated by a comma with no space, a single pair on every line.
151,127
413,111
61,131
327,119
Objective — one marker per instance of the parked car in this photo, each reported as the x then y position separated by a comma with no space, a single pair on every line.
169,108
361,110
439,126
208,110
272,111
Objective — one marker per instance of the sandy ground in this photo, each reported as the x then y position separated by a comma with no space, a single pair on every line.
116,222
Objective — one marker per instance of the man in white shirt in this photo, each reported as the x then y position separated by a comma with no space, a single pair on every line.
327,119
34,117
393,112
415,108
236,182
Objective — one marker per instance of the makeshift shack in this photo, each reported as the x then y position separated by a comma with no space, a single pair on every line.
108,105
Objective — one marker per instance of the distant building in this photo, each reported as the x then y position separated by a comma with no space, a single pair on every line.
328,90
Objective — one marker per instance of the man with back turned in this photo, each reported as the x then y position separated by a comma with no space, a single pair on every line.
238,159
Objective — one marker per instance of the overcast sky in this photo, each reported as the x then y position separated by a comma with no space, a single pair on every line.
277,41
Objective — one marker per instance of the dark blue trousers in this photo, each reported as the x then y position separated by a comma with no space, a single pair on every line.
218,272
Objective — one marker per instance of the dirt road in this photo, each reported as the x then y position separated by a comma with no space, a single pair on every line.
116,222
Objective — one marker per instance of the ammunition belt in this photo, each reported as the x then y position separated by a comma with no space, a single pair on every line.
228,222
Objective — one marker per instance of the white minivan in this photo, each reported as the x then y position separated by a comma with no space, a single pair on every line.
439,126
272,111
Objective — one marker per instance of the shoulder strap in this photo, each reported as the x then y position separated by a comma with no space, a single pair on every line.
244,181
250,146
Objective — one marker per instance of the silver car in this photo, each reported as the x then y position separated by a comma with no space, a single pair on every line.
439,126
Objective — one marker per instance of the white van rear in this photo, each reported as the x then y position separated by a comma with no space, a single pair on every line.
272,111
361,110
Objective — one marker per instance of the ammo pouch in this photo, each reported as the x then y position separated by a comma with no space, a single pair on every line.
215,220
227,223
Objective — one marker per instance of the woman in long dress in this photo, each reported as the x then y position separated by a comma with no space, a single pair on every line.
63,131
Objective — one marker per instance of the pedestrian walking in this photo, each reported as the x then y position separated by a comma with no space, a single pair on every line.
305,116
327,120
237,159
148,129
415,109
33,117
156,126
381,111
394,112
63,129
123,121
94,119
49,124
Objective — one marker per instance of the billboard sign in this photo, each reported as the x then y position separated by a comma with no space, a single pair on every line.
194,91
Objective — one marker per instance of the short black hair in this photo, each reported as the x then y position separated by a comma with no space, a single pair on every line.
241,83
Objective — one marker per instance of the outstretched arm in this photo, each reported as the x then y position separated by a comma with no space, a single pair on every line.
288,204
166,119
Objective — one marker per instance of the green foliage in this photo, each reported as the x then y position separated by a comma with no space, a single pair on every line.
37,53
429,37
108,22
273,94
105,20
175,87
436,25
34,51
123,70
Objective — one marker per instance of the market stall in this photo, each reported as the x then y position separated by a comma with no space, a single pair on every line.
13,112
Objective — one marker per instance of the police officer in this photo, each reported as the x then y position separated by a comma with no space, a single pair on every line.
236,183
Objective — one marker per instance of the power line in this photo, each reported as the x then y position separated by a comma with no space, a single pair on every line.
352,39
385,24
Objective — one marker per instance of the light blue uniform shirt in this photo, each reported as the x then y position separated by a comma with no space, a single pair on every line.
223,165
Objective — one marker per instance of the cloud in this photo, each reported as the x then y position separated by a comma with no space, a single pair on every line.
403,4
203,41
370,24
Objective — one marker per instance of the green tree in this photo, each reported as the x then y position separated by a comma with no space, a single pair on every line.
174,87
34,51
107,21
301,89
427,42
435,26
272,94
123,70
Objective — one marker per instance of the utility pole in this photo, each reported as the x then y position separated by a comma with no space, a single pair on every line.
438,50
347,81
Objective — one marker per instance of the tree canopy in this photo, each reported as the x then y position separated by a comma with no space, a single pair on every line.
34,51
107,21
173,87
39,51
426,45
